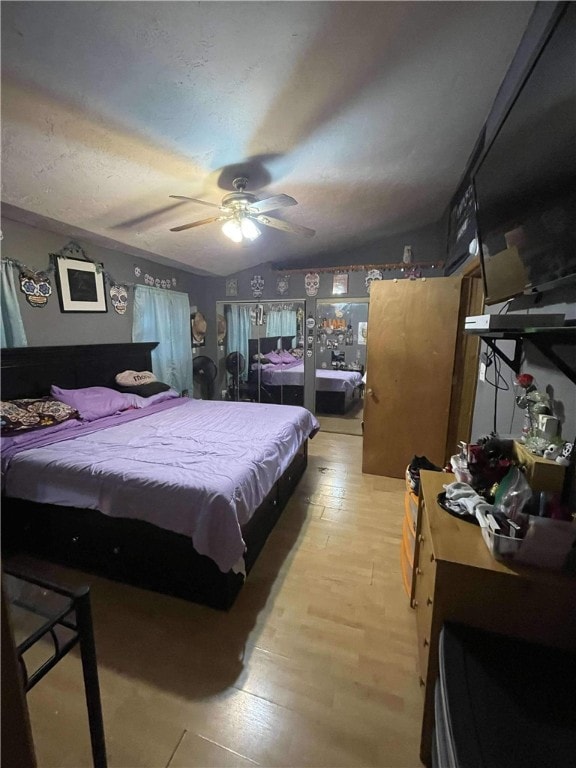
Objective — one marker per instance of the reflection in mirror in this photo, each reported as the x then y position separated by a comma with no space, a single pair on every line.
261,357
341,332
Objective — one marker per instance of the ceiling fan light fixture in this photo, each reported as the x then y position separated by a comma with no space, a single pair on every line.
249,229
233,230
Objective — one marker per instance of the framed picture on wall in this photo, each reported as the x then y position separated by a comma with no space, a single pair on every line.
80,286
339,284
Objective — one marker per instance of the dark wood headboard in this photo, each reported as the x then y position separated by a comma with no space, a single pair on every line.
30,371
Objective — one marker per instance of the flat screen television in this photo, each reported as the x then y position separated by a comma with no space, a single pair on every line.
525,184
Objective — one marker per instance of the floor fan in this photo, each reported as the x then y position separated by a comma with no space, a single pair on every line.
235,364
205,371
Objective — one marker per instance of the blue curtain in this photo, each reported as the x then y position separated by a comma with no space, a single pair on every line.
11,326
164,316
281,322
238,328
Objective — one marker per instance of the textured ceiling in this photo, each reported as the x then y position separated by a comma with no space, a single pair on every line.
366,113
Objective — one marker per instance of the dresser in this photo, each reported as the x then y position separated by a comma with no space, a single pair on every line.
408,543
455,578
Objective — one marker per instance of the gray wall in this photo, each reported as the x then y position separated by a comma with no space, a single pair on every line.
48,326
427,244
509,418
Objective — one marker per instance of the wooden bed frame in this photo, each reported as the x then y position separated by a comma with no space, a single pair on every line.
292,394
126,550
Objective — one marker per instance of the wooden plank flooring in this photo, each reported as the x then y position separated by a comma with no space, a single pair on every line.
315,664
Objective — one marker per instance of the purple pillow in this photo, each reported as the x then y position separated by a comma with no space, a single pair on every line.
287,357
137,401
92,402
274,357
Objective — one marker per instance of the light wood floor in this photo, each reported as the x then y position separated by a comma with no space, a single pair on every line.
315,665
346,424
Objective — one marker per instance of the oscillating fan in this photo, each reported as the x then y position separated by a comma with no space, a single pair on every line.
235,364
205,373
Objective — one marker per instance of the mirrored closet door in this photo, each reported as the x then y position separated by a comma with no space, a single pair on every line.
261,355
340,355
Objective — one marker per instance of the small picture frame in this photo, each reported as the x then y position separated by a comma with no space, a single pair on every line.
80,286
339,284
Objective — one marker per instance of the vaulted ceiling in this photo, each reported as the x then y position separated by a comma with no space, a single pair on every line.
365,113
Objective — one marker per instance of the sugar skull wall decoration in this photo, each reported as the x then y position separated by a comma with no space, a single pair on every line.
282,284
119,297
312,283
36,287
257,285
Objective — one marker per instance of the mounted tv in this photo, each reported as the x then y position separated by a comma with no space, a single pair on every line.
525,185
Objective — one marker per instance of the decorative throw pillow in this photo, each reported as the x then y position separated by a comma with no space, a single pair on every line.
145,390
33,413
137,401
91,402
298,353
134,378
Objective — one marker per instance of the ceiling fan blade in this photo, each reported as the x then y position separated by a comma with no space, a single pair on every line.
195,224
195,200
272,203
286,226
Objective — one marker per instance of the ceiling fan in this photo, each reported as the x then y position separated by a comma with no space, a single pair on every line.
241,211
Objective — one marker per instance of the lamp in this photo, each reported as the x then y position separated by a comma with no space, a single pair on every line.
233,230
239,228
249,229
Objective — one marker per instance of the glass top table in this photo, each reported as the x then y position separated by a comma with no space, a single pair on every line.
47,621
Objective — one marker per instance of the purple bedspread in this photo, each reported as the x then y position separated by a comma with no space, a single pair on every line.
327,380
195,467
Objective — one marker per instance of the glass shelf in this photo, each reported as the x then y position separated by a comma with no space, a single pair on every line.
47,621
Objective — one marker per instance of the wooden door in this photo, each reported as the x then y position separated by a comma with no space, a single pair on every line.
412,332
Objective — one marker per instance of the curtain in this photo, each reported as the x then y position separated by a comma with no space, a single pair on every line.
164,316
11,326
281,322
238,332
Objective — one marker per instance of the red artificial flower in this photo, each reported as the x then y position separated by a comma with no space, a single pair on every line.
524,380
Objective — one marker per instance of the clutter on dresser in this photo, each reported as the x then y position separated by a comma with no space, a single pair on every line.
515,498
540,431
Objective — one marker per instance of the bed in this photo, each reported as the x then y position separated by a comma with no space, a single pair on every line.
178,496
336,390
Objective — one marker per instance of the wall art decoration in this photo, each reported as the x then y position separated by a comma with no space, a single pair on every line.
362,332
232,287
36,286
137,271
198,325
80,285
119,298
413,273
312,283
282,284
372,275
257,285
221,329
339,285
